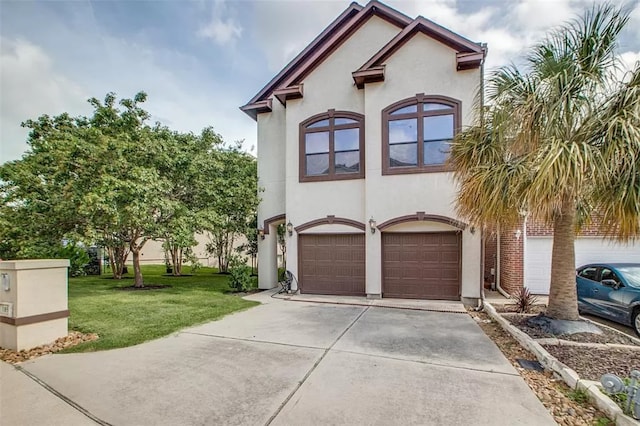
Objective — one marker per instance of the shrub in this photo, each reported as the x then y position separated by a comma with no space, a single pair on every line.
239,273
523,300
78,259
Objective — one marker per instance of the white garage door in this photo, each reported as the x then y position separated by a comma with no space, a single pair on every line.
537,265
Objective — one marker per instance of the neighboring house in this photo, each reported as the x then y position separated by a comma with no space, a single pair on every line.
153,253
353,136
523,255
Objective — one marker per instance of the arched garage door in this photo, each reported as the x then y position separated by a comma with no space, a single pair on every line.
421,265
332,264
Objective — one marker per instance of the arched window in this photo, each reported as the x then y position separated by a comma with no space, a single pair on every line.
332,146
417,134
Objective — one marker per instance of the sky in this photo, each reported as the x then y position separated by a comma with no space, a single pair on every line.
198,61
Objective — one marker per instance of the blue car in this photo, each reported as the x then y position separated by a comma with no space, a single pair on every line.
611,291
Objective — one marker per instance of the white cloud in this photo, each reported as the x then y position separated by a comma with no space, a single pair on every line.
536,15
628,62
31,86
221,29
284,29
181,96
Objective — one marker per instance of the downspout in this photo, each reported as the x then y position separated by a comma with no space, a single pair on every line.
482,265
502,292
524,250
482,239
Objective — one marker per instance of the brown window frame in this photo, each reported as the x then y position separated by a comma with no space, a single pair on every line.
419,115
330,115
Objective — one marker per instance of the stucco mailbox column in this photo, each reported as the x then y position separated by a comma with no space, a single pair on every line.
33,302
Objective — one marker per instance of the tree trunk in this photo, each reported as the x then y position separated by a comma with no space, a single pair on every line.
138,281
563,300
112,262
179,261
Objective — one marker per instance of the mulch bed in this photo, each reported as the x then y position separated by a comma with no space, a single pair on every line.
146,287
553,393
74,338
607,336
592,363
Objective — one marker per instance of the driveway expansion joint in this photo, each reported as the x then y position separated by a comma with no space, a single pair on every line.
435,364
246,339
312,369
63,397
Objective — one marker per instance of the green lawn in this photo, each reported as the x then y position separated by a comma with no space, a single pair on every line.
124,318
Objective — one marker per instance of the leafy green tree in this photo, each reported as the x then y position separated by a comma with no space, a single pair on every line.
189,163
559,141
88,178
237,186
251,246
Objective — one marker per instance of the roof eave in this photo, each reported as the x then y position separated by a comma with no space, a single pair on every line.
372,75
253,109
285,93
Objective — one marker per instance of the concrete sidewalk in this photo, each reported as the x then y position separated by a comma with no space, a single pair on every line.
301,363
25,402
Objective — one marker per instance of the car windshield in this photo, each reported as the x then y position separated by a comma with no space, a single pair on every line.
632,274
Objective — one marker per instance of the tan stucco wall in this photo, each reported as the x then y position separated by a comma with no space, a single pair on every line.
153,254
329,86
37,287
433,72
422,65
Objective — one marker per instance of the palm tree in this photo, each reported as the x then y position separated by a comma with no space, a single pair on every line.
559,142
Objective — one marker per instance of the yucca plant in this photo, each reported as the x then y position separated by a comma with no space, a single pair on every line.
523,300
558,141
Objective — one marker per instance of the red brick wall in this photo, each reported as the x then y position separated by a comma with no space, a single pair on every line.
511,264
490,257
539,229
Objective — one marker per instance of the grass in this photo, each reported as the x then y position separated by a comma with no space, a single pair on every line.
579,396
125,318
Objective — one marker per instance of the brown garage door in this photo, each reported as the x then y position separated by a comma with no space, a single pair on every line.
421,266
332,264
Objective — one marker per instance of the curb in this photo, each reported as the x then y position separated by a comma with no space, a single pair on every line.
570,377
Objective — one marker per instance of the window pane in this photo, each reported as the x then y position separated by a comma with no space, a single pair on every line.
347,139
436,152
403,155
316,142
589,273
403,131
438,127
406,110
321,123
317,164
435,107
347,162
344,121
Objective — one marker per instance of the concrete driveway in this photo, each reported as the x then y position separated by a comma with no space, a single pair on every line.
297,363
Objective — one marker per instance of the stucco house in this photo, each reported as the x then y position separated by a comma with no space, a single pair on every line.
353,137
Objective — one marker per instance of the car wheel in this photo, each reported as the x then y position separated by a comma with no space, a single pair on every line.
635,321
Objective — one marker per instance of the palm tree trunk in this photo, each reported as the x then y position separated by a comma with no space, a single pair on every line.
563,301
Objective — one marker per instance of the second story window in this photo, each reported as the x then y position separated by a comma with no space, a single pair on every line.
417,133
332,146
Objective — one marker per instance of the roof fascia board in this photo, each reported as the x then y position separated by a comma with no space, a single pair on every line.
429,28
373,8
353,9
329,40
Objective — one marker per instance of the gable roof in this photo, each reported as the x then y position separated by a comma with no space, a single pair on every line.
323,45
469,54
286,84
